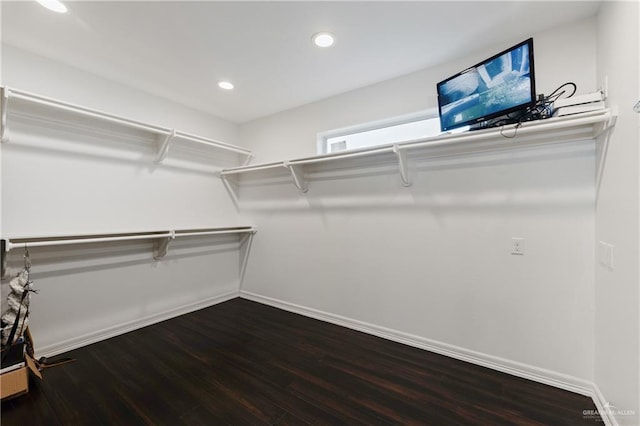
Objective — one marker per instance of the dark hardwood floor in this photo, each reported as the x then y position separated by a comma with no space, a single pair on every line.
243,363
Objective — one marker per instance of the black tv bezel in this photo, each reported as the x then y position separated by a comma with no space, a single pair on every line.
496,114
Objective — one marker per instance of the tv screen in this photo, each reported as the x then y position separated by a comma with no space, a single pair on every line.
498,86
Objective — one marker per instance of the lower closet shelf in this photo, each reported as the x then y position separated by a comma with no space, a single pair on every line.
161,238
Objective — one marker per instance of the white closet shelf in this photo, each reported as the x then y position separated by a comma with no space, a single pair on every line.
161,238
252,168
164,136
585,126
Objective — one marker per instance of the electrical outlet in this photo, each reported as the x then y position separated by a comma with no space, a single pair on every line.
517,246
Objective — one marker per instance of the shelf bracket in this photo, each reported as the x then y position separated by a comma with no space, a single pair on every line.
4,111
163,145
248,159
298,176
402,165
161,246
245,249
607,127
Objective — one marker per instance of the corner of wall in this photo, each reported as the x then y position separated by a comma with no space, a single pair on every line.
617,297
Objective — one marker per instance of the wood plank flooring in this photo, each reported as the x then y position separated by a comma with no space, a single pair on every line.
243,363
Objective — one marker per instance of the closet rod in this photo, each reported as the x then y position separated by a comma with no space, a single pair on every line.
58,241
310,160
206,141
265,166
66,106
337,156
228,231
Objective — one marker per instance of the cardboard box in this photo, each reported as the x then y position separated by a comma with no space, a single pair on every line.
16,382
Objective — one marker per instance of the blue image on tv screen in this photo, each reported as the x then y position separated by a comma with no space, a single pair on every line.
497,85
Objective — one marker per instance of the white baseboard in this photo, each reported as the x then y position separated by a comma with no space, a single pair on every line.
601,404
541,375
116,330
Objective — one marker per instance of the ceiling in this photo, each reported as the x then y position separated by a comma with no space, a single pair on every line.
180,50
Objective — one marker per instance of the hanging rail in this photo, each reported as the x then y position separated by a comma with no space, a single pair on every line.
165,142
252,168
62,241
365,152
161,238
213,142
164,136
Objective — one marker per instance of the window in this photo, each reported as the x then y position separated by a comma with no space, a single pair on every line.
398,129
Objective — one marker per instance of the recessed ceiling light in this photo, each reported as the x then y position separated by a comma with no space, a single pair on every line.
323,39
55,5
225,85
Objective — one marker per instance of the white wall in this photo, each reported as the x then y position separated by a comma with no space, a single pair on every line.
293,133
26,71
61,180
433,260
617,306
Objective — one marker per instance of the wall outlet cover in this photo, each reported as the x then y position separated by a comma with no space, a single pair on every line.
517,246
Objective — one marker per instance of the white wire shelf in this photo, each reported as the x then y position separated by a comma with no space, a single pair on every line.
164,136
161,238
585,126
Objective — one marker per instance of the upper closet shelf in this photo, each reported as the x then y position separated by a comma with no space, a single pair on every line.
164,136
586,126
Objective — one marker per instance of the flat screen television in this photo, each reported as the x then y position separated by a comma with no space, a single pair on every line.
496,87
